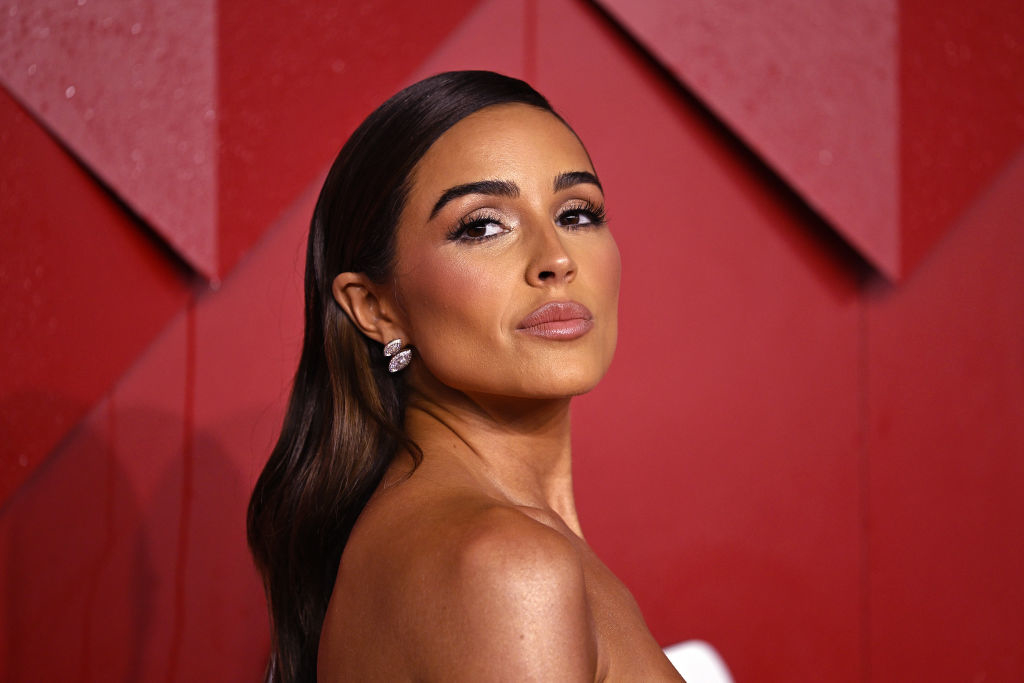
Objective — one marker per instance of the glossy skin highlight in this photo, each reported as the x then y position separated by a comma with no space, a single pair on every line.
473,566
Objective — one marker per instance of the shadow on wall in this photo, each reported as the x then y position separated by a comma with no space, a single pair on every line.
110,556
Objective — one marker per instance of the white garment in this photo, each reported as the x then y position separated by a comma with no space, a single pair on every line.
698,662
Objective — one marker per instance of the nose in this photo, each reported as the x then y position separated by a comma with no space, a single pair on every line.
550,261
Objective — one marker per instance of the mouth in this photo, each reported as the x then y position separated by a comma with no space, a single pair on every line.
560,320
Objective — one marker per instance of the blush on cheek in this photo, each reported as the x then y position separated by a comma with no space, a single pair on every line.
453,304
608,267
458,286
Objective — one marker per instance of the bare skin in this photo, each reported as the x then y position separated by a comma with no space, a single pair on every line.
473,566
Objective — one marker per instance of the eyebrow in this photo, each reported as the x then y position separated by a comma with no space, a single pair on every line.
506,188
500,188
566,180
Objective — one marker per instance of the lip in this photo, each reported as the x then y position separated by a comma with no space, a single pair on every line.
561,320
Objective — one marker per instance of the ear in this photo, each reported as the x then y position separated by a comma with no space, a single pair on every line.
366,306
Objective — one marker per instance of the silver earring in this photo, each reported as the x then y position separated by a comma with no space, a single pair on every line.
399,359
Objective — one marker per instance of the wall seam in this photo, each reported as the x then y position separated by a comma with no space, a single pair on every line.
864,476
187,485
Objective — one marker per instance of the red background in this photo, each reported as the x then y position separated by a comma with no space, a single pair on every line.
809,450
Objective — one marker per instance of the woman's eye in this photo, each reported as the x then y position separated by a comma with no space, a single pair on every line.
581,216
576,217
479,229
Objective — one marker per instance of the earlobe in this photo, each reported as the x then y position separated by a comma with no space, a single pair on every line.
357,296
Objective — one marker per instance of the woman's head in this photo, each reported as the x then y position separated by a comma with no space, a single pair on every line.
355,221
501,215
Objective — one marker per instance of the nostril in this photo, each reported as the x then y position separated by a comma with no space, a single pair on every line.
545,274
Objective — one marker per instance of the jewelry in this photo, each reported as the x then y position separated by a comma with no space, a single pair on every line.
399,359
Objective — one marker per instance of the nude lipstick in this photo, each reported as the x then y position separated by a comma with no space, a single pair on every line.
560,320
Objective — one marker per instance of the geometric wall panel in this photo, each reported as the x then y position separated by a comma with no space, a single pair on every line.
961,109
886,116
84,289
294,79
946,448
190,111
130,88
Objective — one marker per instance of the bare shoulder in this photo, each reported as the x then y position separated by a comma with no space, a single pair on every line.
512,594
467,589
492,540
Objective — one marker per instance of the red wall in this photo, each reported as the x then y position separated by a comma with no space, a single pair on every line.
809,464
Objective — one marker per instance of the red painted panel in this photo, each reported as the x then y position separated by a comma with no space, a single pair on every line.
295,79
946,398
189,110
89,542
811,86
889,131
129,87
130,545
717,464
84,290
961,108
471,44
52,550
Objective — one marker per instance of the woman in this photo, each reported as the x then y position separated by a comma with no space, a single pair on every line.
416,518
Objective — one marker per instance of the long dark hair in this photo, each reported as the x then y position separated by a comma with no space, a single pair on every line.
343,424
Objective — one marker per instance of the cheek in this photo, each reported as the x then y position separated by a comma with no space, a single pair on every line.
613,267
606,266
452,301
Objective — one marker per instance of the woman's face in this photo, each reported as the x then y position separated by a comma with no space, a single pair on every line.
506,276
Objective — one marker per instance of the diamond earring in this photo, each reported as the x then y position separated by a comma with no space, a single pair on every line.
399,359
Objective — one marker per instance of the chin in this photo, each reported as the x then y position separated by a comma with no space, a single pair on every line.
571,375
562,380
540,377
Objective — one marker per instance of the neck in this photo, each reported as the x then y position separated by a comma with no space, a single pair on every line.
516,449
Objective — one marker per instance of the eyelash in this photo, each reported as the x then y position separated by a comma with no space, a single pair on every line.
595,213
458,233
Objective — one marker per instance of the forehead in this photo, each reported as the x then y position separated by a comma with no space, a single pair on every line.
509,141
